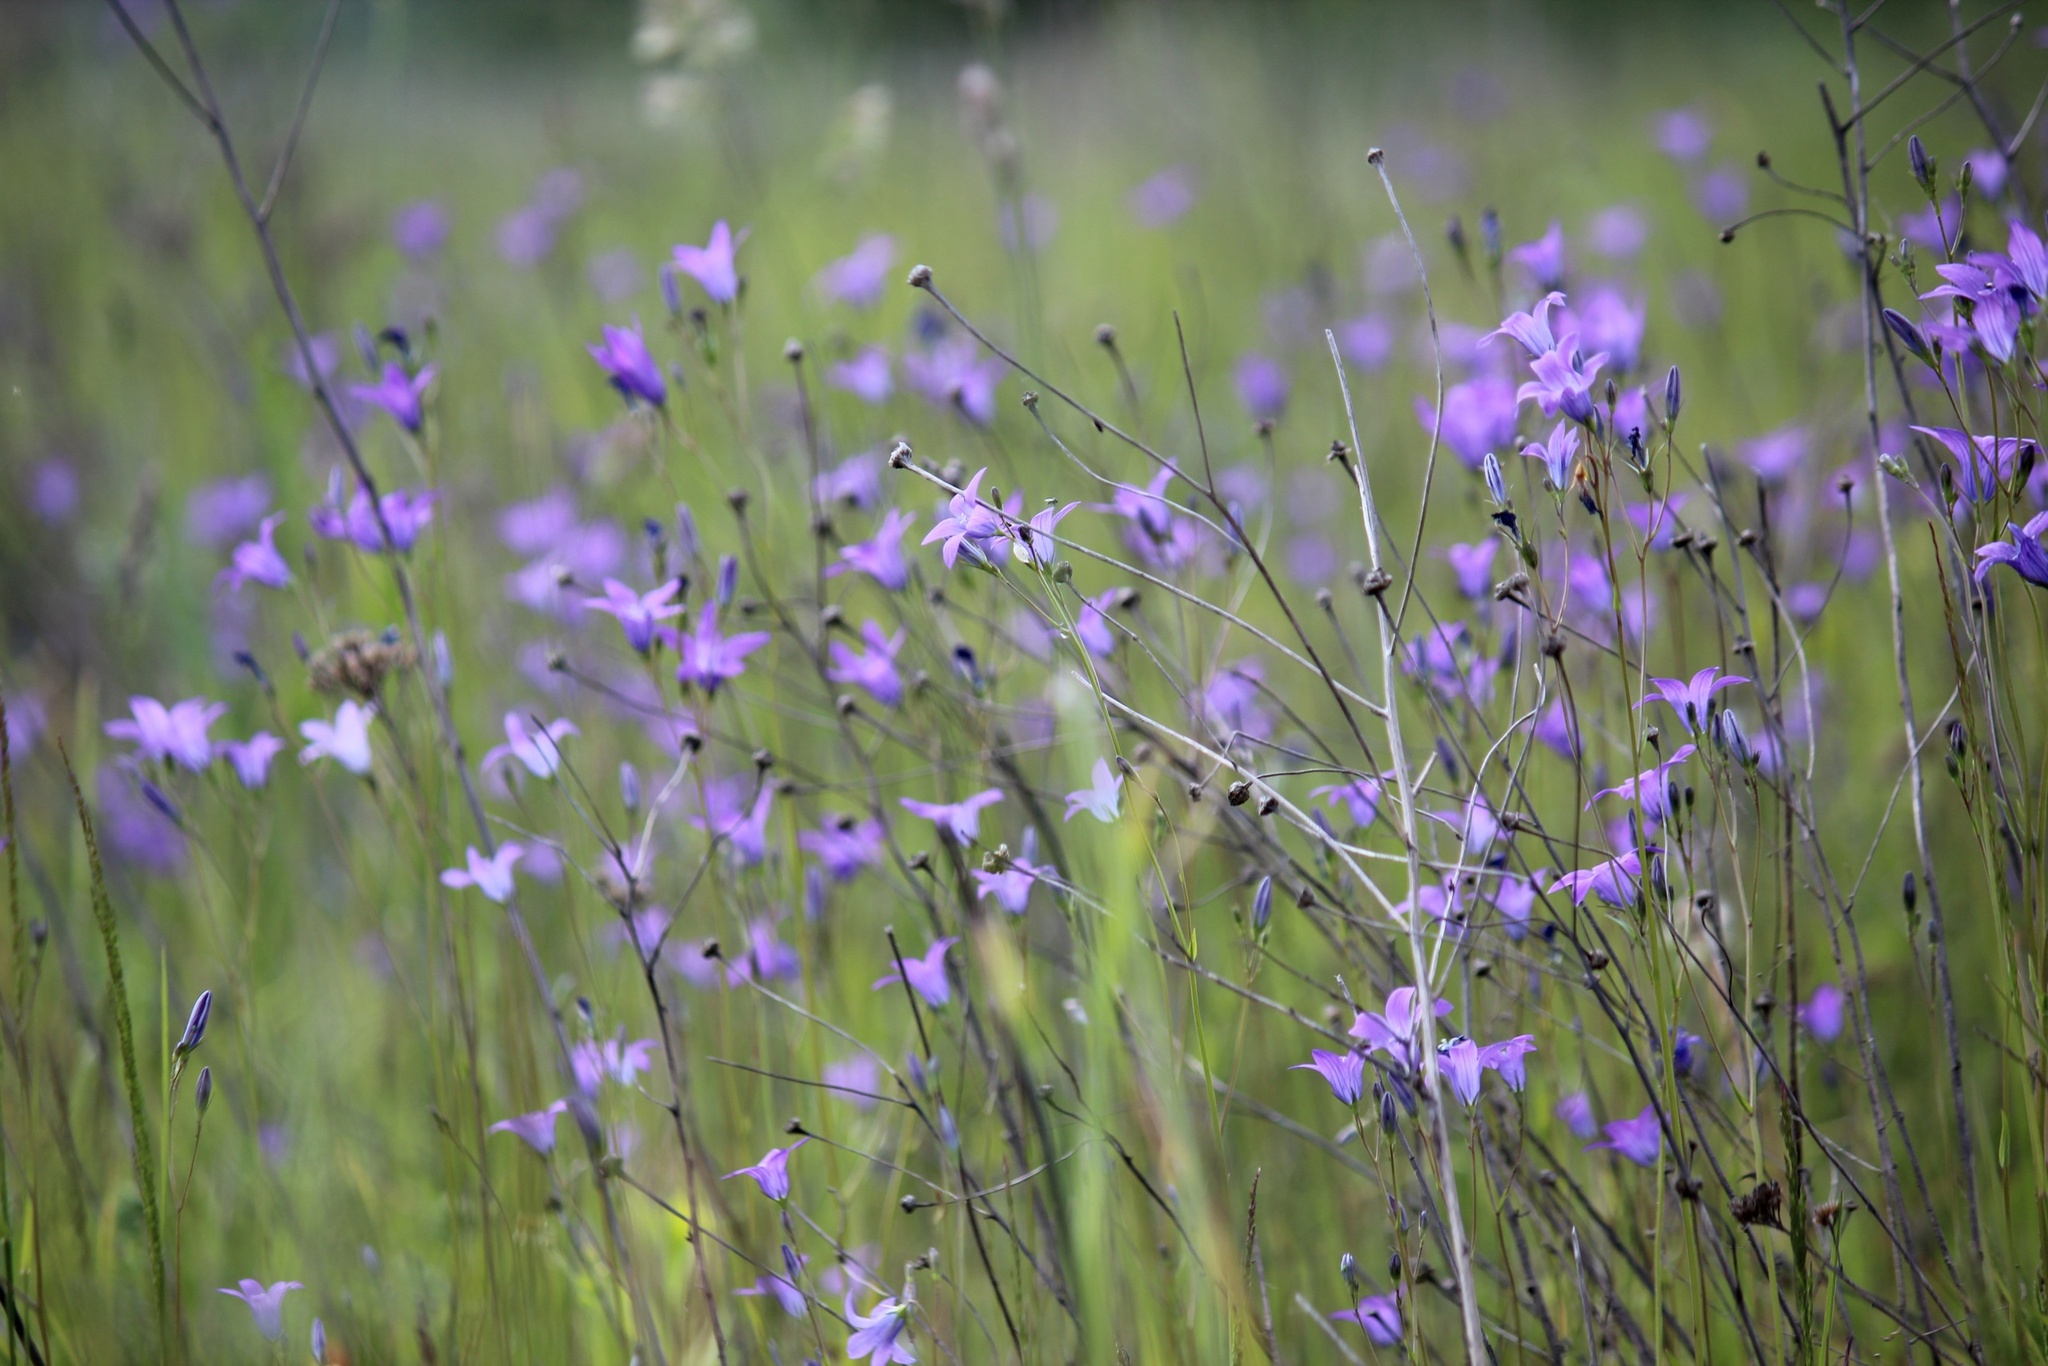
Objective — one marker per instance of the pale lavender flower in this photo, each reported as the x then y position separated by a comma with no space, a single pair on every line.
399,394
537,1128
926,975
967,525
1360,797
1506,1057
880,557
1576,1110
251,758
535,525
954,374
420,229
1543,259
27,718
326,360
539,750
855,481
765,957
406,513
1472,567
1379,1316
526,236
1985,462
137,830
1091,623
1344,1071
1684,135
629,366
1650,790
173,734
1821,1013
1262,386
1691,698
958,821
866,375
613,1060
1533,329
880,1336
854,1079
1367,342
1619,231
727,816
222,512
1164,199
614,275
492,876
1611,322
637,613
1722,194
265,1305
709,660
844,846
1102,798
1394,1028
1458,1060
1478,417
858,278
1033,542
1559,453
1012,886
53,491
771,1173
872,670
1989,171
785,1291
346,739
1564,380
258,560
712,265
1639,1139
1613,881
1231,699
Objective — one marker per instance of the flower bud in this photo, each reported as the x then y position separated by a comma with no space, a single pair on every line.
319,1343
1489,237
1674,392
195,1024
202,1092
629,786
1262,905
728,579
1496,483
1910,893
1921,163
1393,1266
1347,1267
1909,334
949,1131
1387,1111
671,293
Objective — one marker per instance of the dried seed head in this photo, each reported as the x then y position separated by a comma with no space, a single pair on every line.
358,662
920,277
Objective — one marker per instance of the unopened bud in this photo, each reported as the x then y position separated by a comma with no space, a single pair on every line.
202,1093
1262,905
195,1024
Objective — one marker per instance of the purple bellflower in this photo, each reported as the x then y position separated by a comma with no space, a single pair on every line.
219,513
1613,881
2026,553
1472,567
173,734
771,1173
954,374
537,1128
785,1291
967,525
1821,1013
958,821
880,557
872,670
595,1062
250,758
1344,1071
258,561
346,739
709,660
538,750
879,1337
406,513
1775,456
1564,380
855,481
844,847
727,817
1576,1110
1032,542
1691,698
1379,1316
1506,1057
492,876
638,613
1531,329
398,394
629,366
1262,386
1458,1060
1639,1139
420,229
867,375
1360,797
926,975
266,1305
1102,798
1543,258
1394,1028
1650,790
1478,417
1987,462
1559,454
858,278
712,265
1091,623
1012,886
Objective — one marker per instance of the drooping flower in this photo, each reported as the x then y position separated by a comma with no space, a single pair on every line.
867,375
538,749
880,557
1564,380
926,975
844,847
873,670
258,560
1613,881
771,1173
1379,1316
1821,1013
1559,453
1639,1139
858,278
1576,1110
173,734
266,1305
399,394
712,265
250,758
2026,553
1344,1071
1691,698
709,660
346,740
1395,1027
537,1128
968,525
1102,798
880,1336
629,366
1478,417
492,876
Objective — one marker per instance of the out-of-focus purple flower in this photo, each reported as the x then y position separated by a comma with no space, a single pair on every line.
1011,887
967,525
1367,342
1472,567
879,1336
926,975
1988,171
53,491
1691,698
526,236
765,958
1638,1139
1164,199
1041,219
533,526
1564,380
726,815
250,758
958,821
1611,322
137,830
1262,386
858,277
855,1079
866,375
873,670
1543,258
2026,553
1576,1110
855,481
346,739
637,613
1344,1071
1650,790
1379,1316
844,846
1821,1013
538,749
1776,455
173,734
1684,135
880,557
614,275
399,394
1478,417
1091,623
1231,700
1102,798
420,229
712,265
1394,1028
1619,231
1688,1051
537,1128
1559,453
1722,194
406,513
793,1301
629,366
492,876
581,555
265,1305
258,560
595,1062
1360,798
326,359
709,660
1506,1057
1613,881
222,512
954,374
1936,227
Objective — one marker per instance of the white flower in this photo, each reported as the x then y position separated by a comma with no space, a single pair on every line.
346,740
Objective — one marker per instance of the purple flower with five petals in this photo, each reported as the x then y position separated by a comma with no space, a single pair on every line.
771,1173
539,749
926,975
629,365
1543,258
537,1128
958,821
880,557
1650,790
879,1336
709,660
1472,567
1531,329
1821,1013
1394,1028
492,876
857,278
1639,1139
1379,1316
1564,380
866,375
265,1305
954,374
1102,798
1091,623
173,734
1576,1110
637,613
1360,797
1478,417
258,560
398,394
872,670
2026,553
250,758
844,846
1613,881
406,513
1691,698
968,525
1344,1071
1011,887
712,264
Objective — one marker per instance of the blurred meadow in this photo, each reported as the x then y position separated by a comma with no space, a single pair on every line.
1078,1140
